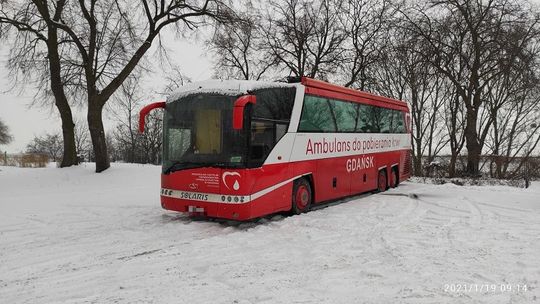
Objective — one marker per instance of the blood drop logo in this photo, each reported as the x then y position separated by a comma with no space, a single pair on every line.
236,185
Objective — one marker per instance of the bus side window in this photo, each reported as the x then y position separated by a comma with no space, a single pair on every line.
346,115
316,115
281,129
385,120
269,121
399,124
374,119
262,139
363,124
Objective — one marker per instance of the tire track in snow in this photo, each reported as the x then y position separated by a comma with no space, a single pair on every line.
477,217
386,235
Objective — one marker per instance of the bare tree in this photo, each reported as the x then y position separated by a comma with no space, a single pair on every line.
113,147
468,44
127,104
366,25
82,139
151,140
239,48
5,137
511,105
141,148
175,79
402,73
515,131
454,111
304,37
103,42
111,38
427,92
49,144
34,24
130,145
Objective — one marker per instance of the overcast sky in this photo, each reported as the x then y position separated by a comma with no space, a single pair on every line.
25,121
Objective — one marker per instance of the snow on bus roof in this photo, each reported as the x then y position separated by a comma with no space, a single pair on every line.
225,87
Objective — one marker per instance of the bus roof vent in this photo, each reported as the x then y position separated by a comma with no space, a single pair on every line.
294,79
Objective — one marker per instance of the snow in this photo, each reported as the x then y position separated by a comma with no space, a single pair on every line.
74,236
225,87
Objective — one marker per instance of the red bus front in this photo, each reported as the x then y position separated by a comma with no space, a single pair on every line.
226,193
214,147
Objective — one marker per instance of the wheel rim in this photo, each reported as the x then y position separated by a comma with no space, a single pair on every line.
382,182
302,197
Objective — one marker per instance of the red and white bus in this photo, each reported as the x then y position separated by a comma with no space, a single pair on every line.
244,149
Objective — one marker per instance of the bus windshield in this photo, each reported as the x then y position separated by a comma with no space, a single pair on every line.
198,131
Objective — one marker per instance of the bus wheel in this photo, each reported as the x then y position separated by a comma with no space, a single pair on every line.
301,200
381,181
394,182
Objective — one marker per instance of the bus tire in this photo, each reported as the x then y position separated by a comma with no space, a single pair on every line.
394,180
301,196
382,181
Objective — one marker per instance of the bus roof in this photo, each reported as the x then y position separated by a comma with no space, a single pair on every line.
241,87
225,87
319,85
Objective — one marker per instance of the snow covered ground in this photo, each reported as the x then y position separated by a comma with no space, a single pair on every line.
73,236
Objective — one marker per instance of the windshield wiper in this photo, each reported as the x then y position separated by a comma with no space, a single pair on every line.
181,165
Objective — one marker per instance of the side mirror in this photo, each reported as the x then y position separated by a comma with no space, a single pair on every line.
146,110
238,110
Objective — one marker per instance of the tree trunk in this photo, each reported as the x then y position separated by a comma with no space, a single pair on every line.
452,165
68,127
498,166
474,148
69,157
97,133
417,159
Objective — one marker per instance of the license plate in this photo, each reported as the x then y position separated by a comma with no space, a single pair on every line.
194,209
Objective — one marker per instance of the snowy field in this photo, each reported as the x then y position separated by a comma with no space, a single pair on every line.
73,236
